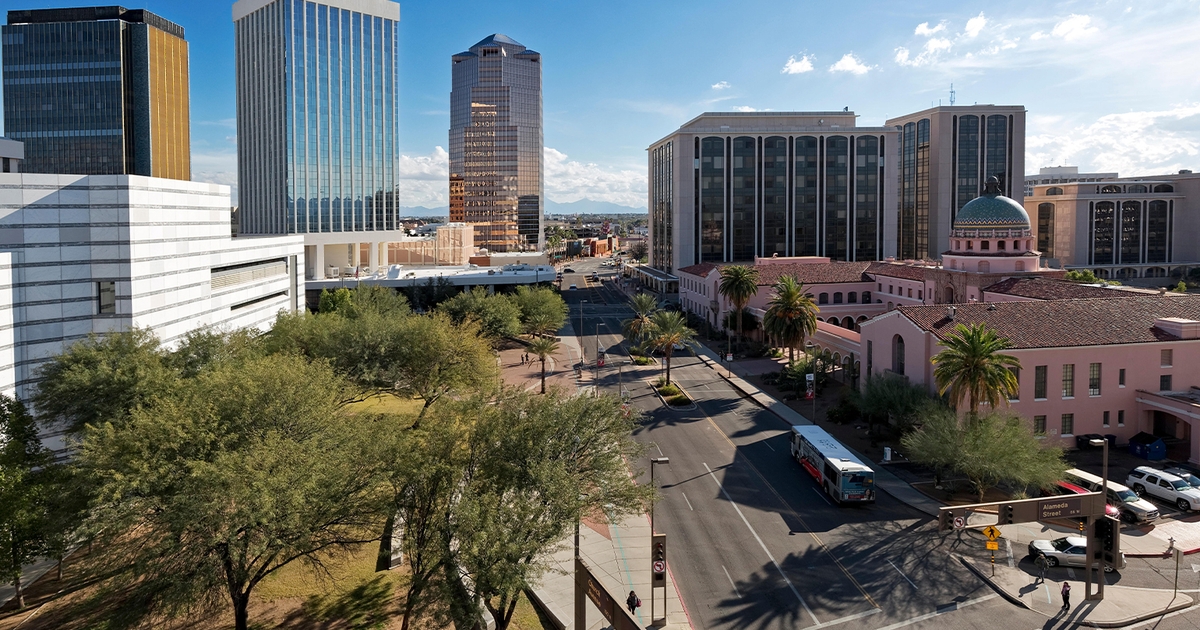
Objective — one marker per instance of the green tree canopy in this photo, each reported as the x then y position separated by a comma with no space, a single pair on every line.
543,349
543,311
497,315
739,283
667,330
891,397
791,316
25,468
637,328
973,367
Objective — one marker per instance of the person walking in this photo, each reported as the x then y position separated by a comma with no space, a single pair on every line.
1066,595
1042,564
632,602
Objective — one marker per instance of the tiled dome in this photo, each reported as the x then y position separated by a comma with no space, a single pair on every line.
991,210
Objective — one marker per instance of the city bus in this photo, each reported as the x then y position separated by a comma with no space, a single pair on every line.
838,471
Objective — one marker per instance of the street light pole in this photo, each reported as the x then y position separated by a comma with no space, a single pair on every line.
653,461
596,377
582,354
1104,489
809,347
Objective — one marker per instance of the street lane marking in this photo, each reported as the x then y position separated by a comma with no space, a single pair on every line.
865,613
768,445
792,511
902,575
1008,547
822,495
1048,600
735,591
763,545
1071,573
685,499
660,453
919,619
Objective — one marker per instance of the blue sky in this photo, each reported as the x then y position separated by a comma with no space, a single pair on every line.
1110,86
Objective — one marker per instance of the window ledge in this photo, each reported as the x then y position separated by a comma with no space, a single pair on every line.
1093,395
1067,435
1068,398
1039,399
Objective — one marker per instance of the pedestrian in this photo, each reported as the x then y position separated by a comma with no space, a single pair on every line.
633,602
1066,595
1041,563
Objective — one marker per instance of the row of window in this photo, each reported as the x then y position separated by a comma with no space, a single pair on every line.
1040,375
851,297
1114,189
1067,426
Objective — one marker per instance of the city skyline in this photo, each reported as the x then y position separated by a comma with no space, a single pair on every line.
595,137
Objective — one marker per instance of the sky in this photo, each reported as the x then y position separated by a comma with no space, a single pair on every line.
1109,86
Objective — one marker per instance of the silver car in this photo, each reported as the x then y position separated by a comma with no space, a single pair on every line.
1068,551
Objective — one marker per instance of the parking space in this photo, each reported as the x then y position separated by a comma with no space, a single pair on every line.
1120,463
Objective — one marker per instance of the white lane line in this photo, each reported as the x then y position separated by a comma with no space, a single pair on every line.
919,619
821,494
1071,574
763,545
735,591
865,613
902,575
660,453
768,445
1047,588
685,499
1008,547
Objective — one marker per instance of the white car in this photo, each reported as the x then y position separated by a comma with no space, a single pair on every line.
1163,486
572,288
1070,551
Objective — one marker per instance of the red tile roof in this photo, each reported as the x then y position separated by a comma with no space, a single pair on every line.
700,270
1047,289
832,272
1063,323
898,270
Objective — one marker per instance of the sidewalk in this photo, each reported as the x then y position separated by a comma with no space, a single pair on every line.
1121,605
1136,542
884,479
620,556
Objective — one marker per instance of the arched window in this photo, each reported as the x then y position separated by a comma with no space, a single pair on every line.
1161,188
949,295
970,245
1054,190
1110,189
957,244
823,298
1137,189
898,354
984,266
1000,245
848,322
1016,245
866,297
891,306
985,245
852,297
837,297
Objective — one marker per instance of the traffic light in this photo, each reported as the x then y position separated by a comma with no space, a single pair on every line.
945,520
1108,536
658,560
1006,514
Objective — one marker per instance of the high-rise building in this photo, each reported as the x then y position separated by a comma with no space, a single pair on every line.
944,157
97,91
496,142
316,117
733,186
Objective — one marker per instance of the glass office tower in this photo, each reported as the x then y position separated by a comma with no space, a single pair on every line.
496,143
96,91
316,115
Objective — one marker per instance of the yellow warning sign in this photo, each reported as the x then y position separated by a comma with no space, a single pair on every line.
991,532
993,545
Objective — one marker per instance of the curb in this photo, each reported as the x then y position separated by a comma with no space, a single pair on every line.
551,614
692,406
1165,554
1082,622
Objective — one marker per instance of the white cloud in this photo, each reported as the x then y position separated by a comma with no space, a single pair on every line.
425,179
569,180
747,108
924,30
850,63
721,85
936,44
975,26
1131,143
1074,27
798,66
1037,35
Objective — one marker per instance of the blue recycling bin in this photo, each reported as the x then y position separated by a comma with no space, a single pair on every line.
1147,447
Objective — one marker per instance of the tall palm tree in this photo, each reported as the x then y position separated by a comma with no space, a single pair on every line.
791,315
739,284
973,367
543,347
637,327
667,330
541,324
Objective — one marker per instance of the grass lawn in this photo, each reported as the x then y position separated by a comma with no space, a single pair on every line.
388,403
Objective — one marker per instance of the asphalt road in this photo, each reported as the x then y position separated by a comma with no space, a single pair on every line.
753,543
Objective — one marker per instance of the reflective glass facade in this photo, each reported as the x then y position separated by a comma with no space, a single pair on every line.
662,162
1129,232
97,90
496,142
316,106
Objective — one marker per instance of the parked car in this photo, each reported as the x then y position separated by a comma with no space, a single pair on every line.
1063,488
568,270
1133,508
572,288
1163,486
1185,475
1070,551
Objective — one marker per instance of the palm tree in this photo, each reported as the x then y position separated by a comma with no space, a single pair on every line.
791,315
541,324
637,327
543,347
667,330
973,367
739,284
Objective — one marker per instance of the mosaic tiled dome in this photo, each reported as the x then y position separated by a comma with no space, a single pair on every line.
991,210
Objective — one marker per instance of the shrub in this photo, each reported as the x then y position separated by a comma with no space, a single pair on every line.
846,410
640,360
679,400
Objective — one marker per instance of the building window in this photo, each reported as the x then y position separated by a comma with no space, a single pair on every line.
920,295
1165,358
892,289
1120,417
837,297
1068,424
1121,377
970,245
985,245
1039,382
1068,380
1016,395
910,293
866,297
1106,419
107,294
1000,245
852,297
823,298
1094,379
1039,425
870,357
1164,383
898,355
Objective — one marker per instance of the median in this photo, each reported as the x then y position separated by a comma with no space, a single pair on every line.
671,394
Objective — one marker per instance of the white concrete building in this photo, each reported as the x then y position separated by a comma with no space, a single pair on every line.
82,254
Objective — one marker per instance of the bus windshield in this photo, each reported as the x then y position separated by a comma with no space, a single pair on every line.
857,480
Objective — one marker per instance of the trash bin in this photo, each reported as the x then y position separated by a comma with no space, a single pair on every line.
1112,440
1147,446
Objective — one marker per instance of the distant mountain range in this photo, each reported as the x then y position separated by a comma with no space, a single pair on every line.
583,206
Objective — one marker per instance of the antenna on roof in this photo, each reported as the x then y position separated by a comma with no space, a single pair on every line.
951,94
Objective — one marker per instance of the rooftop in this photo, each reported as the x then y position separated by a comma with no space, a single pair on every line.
1052,289
702,269
905,270
497,38
833,272
1063,323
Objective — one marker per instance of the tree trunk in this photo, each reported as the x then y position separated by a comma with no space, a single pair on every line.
383,560
791,355
543,375
739,324
241,616
60,563
668,357
20,594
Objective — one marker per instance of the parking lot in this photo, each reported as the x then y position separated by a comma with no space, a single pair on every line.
1120,462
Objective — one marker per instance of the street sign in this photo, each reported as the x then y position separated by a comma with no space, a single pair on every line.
809,377
659,566
1059,507
993,545
959,522
991,532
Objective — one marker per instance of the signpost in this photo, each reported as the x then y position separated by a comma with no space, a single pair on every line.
992,533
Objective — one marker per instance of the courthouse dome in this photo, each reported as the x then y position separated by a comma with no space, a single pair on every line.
991,210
